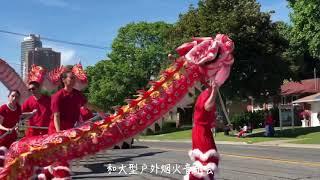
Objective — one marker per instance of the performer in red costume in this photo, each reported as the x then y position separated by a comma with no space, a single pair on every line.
9,117
65,107
204,152
40,105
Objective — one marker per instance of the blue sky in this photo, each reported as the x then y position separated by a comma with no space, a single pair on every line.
92,22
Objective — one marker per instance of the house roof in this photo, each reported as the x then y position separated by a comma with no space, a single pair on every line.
302,87
312,98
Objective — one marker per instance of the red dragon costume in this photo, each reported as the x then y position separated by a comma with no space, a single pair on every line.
201,60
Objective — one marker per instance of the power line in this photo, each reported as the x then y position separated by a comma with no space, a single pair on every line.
14,33
56,40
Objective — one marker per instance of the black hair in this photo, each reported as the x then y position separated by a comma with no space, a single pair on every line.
14,91
35,83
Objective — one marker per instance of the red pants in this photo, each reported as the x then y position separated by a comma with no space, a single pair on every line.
204,153
8,139
59,170
5,144
3,151
241,133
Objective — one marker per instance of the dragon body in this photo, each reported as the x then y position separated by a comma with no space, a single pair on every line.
12,80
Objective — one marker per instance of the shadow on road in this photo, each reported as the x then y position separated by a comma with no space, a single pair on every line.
139,147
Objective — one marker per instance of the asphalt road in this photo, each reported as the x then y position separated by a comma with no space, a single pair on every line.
169,160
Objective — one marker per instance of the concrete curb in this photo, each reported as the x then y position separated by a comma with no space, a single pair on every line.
289,145
155,140
269,143
189,141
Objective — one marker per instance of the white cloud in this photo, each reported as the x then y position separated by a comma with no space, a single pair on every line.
68,55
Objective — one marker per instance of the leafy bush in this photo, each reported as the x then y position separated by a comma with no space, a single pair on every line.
255,119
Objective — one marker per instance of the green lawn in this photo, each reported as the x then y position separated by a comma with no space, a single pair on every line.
312,138
179,135
302,135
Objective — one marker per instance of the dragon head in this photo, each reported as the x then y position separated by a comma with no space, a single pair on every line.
54,75
213,55
51,80
77,70
81,81
37,74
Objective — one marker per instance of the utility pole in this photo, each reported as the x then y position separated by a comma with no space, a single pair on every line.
251,98
315,79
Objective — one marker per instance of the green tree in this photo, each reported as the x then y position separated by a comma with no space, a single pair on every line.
187,26
138,53
143,45
258,68
302,35
305,19
111,83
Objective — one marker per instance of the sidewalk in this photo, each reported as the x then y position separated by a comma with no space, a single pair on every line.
285,143
189,141
278,143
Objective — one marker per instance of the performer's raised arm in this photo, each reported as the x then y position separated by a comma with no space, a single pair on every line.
210,102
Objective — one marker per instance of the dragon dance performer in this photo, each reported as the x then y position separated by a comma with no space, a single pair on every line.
204,151
40,104
65,107
10,115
